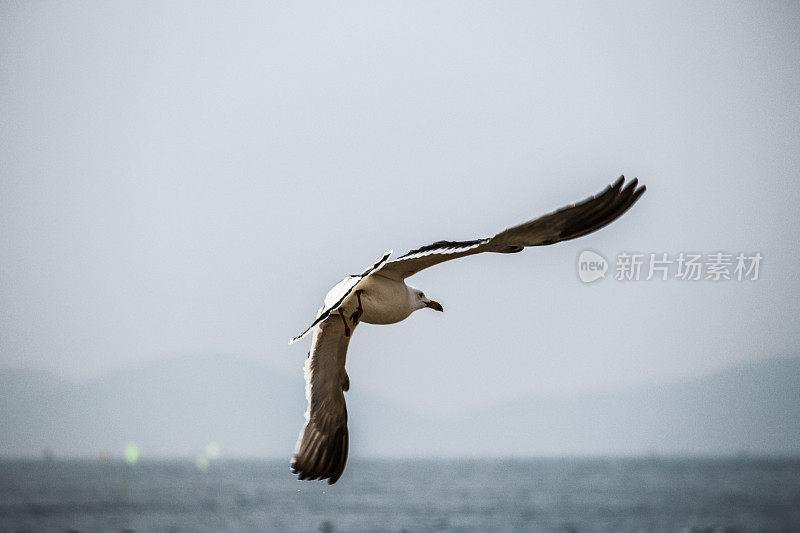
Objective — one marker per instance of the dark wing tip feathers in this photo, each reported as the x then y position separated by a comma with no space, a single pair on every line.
321,455
601,210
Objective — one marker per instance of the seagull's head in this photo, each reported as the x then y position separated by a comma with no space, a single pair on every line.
420,300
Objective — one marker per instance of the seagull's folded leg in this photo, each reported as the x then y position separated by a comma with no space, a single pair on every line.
344,321
356,316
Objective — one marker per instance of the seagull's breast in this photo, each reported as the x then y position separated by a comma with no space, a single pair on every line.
384,300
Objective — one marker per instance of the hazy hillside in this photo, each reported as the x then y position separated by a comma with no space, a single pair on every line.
176,407
750,409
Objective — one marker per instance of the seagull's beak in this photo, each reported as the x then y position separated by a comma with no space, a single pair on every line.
434,305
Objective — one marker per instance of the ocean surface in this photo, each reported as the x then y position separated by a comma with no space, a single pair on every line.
647,494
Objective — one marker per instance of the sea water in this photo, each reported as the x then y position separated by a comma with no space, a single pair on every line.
645,494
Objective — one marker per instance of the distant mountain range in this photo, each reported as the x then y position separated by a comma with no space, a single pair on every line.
176,407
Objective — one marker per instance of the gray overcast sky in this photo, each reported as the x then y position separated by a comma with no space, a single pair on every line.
183,178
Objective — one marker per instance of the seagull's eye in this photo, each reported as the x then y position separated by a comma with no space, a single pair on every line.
421,295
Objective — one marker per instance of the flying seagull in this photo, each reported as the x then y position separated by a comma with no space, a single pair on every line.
379,295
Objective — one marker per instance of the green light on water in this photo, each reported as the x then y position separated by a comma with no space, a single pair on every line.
212,450
201,462
131,453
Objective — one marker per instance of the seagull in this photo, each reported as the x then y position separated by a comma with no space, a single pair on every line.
379,295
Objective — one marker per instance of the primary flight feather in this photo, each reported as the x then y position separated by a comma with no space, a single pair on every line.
379,295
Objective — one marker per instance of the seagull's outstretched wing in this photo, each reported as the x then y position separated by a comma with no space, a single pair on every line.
566,223
321,451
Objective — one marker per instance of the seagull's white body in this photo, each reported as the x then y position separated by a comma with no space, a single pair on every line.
379,295
384,300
